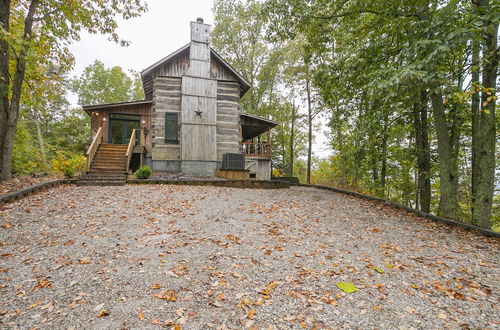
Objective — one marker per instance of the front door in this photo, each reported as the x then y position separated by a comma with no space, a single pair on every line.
121,127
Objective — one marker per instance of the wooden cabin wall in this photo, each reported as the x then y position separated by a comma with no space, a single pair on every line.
176,67
218,71
98,115
167,98
228,118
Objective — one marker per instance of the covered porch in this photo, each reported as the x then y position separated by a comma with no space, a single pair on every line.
120,136
256,145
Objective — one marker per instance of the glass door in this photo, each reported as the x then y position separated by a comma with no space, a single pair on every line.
121,127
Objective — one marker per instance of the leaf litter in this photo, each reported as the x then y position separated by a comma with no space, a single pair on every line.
201,257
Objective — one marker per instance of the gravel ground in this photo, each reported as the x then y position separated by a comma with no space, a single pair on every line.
24,182
157,256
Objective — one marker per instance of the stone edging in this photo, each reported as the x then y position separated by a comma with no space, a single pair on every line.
255,184
27,191
406,208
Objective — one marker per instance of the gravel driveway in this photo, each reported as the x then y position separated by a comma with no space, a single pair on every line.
157,256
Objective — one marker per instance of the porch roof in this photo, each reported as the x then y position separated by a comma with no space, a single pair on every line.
253,125
110,106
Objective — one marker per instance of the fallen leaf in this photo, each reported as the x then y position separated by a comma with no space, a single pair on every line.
168,295
102,313
378,270
251,313
140,315
155,285
347,287
84,261
44,283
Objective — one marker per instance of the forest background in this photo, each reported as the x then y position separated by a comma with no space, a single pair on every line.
406,92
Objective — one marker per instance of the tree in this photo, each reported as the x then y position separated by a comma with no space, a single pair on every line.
386,65
239,36
99,85
30,32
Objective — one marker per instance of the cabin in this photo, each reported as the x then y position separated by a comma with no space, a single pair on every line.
190,120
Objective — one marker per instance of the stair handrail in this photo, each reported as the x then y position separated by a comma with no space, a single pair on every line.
130,148
96,141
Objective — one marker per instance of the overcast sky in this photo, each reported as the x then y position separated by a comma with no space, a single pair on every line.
152,36
161,30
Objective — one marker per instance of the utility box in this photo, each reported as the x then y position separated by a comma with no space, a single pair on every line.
233,162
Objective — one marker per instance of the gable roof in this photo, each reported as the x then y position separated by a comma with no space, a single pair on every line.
147,74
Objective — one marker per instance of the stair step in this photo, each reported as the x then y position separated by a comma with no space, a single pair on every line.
104,178
105,161
101,183
118,155
107,174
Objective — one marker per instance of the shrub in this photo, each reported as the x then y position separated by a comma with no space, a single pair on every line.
144,172
68,163
69,172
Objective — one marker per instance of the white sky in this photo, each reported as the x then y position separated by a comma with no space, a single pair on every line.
161,30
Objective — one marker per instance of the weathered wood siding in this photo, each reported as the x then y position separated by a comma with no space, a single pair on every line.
167,98
144,110
176,67
219,72
228,118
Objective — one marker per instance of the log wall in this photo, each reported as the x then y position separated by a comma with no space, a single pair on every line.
228,118
167,98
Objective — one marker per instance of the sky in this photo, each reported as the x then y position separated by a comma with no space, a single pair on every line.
160,31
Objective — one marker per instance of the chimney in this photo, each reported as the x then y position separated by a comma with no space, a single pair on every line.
199,54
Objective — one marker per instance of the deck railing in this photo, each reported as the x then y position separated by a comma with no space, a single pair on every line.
96,141
262,149
133,142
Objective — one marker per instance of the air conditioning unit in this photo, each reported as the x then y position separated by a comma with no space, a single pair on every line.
233,162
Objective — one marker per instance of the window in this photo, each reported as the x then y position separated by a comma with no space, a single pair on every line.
171,128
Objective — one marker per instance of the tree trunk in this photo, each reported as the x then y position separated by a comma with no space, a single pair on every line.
41,142
340,139
17,83
4,75
423,152
486,130
475,118
383,169
448,202
292,137
309,135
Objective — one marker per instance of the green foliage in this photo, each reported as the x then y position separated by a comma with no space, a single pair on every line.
144,172
26,157
371,61
68,163
100,85
69,172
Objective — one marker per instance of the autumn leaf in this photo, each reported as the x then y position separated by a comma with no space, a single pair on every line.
102,313
347,287
155,286
168,295
84,261
180,270
251,313
140,315
45,283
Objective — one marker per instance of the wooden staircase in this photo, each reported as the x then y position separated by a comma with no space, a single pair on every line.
108,167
